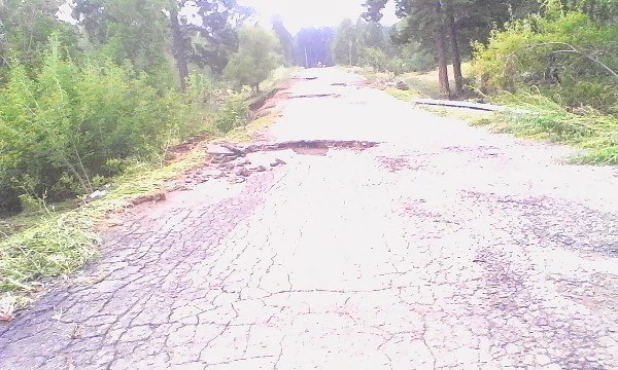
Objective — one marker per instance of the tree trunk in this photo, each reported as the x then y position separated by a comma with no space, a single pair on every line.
350,52
455,48
441,51
591,9
179,51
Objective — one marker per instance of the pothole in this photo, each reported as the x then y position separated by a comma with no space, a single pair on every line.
305,78
310,151
397,164
316,95
230,161
305,145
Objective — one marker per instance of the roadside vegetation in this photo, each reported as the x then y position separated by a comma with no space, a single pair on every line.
100,106
554,58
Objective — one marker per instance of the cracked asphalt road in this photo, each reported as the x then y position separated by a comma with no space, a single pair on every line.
444,247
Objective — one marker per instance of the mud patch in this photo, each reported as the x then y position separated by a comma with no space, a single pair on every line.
594,292
309,144
302,78
418,208
480,151
397,164
550,222
317,95
311,151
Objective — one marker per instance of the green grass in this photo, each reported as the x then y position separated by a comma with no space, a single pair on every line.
404,95
247,133
544,119
58,243
469,115
592,131
423,85
278,81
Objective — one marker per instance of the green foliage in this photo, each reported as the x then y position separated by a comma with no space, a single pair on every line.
256,58
9,199
128,30
368,44
544,119
61,129
286,40
53,244
234,114
214,37
561,65
552,53
374,58
46,251
76,109
200,88
29,203
412,58
347,44
25,27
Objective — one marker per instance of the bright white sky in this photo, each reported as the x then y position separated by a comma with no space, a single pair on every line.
297,14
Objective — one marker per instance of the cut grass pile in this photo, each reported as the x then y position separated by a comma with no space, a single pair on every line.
545,120
58,243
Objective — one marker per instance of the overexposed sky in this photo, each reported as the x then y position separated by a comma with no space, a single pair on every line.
297,14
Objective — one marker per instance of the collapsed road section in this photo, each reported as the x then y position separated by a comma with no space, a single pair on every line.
236,162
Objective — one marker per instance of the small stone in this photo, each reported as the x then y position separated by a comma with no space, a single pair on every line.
98,194
543,360
542,322
219,150
402,86
226,166
243,172
237,180
553,367
277,162
214,173
511,349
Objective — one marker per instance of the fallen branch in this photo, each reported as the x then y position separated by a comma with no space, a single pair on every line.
457,104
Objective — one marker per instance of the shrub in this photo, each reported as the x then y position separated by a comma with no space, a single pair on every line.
62,128
234,114
551,52
255,60
374,58
9,200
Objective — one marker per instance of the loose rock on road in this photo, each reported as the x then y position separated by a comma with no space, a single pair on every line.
442,247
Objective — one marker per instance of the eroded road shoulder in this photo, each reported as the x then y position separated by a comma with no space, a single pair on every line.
366,241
